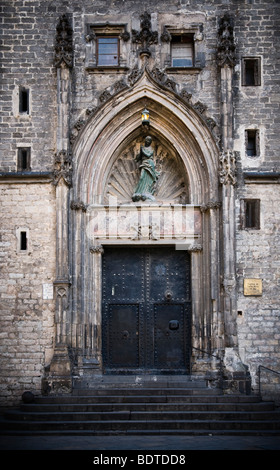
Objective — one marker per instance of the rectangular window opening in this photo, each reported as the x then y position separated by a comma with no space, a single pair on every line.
24,100
251,73
108,51
182,50
252,143
23,163
23,241
251,214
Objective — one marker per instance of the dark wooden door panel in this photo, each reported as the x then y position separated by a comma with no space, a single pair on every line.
124,335
145,309
169,334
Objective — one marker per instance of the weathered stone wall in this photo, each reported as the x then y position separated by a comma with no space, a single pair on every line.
27,319
257,253
27,58
28,53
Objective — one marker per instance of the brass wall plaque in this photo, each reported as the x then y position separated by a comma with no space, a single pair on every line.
252,286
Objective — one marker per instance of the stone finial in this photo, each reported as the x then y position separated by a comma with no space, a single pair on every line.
146,36
226,44
63,43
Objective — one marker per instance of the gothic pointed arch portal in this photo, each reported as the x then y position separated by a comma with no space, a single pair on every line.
105,170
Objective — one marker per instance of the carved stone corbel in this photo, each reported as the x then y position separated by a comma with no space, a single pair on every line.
195,248
210,205
78,205
97,249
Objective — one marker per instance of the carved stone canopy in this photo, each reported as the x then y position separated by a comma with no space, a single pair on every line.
63,43
172,185
226,54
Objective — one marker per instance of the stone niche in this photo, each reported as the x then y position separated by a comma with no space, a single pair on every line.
172,185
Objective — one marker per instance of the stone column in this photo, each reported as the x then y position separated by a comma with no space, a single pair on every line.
96,253
226,60
90,353
58,378
227,178
235,371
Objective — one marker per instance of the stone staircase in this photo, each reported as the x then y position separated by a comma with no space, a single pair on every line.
150,407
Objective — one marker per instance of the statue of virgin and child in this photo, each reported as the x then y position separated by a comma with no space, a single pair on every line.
148,174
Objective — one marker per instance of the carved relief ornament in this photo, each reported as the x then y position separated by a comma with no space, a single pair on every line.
227,171
63,168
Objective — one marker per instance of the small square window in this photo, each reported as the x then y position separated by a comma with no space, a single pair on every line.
252,143
23,159
251,71
24,100
182,50
108,51
250,214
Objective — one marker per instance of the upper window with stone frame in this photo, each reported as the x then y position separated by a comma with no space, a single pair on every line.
106,47
182,50
252,142
251,71
107,51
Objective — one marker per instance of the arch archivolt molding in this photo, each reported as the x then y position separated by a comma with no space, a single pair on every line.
172,120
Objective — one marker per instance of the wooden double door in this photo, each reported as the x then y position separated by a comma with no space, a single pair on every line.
146,310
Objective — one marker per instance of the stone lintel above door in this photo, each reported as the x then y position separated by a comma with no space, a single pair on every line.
144,223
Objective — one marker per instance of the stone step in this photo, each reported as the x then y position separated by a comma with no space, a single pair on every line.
180,406
143,416
144,432
142,425
126,383
135,398
146,391
112,409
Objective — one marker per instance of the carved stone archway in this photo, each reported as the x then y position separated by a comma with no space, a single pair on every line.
186,151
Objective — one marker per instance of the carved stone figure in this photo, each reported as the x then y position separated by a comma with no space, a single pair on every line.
148,174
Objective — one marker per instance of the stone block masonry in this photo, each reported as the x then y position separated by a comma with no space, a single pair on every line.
257,252
65,104
26,318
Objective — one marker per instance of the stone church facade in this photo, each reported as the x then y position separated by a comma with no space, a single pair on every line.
128,255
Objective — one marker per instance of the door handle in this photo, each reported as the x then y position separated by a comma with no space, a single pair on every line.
173,325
